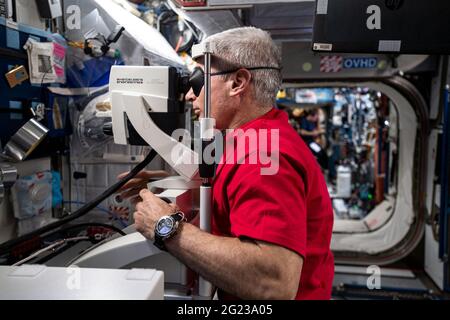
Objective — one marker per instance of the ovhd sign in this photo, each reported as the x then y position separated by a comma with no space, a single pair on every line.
387,26
360,63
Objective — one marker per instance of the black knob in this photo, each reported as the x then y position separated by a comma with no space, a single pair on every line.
108,129
79,175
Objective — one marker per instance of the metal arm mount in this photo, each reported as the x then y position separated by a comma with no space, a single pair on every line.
207,171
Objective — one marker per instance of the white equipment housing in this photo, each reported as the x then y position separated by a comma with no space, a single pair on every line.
136,92
38,282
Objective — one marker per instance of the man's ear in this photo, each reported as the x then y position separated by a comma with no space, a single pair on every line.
241,82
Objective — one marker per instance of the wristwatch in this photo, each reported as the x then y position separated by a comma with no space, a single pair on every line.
167,227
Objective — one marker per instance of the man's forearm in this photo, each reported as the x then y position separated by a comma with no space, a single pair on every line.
308,133
240,268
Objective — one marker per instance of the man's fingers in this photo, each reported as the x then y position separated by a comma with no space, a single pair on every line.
135,200
146,195
130,193
137,219
147,174
122,175
136,189
156,174
139,207
134,183
141,179
142,174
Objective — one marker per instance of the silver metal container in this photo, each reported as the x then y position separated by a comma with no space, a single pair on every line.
25,140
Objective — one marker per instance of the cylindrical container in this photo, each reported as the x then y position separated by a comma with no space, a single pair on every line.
25,140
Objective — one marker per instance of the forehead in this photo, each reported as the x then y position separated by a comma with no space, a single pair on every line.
216,62
199,63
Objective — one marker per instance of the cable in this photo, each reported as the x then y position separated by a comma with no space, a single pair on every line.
50,247
103,209
7,246
87,225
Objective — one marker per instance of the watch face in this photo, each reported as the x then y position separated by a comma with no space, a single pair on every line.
165,226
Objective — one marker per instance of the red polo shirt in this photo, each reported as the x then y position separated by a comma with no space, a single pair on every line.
281,198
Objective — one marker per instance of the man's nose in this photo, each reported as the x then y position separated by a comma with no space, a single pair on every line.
190,96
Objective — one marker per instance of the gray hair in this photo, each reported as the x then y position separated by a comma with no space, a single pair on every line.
250,47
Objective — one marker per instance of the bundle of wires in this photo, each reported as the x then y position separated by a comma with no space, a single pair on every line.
8,246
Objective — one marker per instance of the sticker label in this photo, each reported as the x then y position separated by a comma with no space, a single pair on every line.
331,64
360,63
322,47
389,46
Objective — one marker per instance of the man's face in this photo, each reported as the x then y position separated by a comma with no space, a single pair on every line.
222,104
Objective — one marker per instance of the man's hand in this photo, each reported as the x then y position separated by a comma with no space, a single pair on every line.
134,186
149,211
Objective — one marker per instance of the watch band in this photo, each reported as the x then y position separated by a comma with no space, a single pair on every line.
159,241
179,216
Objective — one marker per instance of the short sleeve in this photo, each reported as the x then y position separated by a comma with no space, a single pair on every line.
269,208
